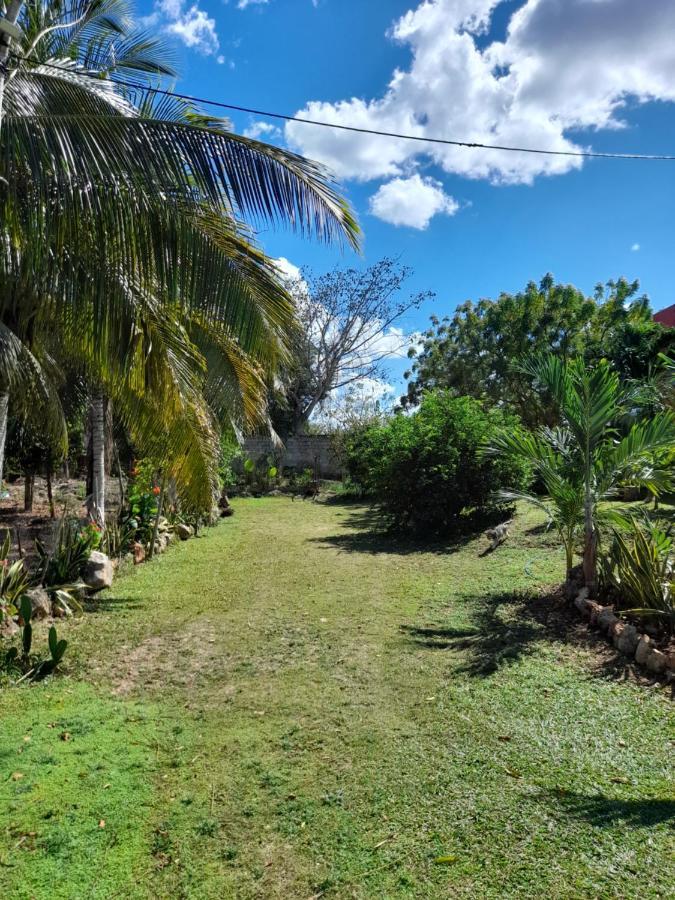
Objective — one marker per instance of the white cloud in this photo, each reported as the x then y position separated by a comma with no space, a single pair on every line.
197,30
635,248
193,26
412,201
242,4
289,271
261,129
562,66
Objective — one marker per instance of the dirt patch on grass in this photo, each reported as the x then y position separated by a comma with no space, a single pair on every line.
175,658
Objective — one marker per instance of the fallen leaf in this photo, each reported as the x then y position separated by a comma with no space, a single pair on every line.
65,735
101,824
385,841
512,772
620,779
17,776
445,860
504,737
622,743
106,786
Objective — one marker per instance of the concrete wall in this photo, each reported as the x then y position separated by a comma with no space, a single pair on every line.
303,452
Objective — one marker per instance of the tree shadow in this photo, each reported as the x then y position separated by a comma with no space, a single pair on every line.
506,626
110,604
372,534
602,811
503,627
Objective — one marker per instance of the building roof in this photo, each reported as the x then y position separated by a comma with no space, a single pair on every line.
666,316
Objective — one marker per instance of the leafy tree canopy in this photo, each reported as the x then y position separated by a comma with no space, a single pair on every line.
474,351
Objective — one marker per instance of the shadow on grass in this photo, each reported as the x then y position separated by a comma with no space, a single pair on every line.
109,604
504,627
507,626
600,811
371,534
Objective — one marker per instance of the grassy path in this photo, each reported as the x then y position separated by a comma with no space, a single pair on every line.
293,707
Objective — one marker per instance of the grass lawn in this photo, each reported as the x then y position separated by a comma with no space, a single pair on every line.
293,706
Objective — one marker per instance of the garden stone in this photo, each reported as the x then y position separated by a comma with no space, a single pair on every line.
626,639
606,619
594,609
40,603
581,603
8,627
656,661
643,650
184,531
98,572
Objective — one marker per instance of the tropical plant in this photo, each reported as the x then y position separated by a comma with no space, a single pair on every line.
34,668
586,459
126,252
14,579
63,566
638,569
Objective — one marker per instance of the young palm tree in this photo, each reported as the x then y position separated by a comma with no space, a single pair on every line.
585,460
122,228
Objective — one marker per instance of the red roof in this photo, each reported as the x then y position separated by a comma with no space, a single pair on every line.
666,316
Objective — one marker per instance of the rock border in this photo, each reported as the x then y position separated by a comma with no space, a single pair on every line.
626,638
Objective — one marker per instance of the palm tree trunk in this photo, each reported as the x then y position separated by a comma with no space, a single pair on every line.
97,496
4,407
590,562
50,494
28,490
11,16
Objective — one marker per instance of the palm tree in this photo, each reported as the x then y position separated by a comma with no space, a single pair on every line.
123,233
585,460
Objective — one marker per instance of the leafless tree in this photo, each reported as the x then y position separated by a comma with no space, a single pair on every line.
348,329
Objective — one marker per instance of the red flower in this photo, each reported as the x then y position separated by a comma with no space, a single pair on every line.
156,491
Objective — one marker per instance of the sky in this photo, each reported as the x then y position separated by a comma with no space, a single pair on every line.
549,74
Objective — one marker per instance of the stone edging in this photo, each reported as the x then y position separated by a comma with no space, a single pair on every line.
625,637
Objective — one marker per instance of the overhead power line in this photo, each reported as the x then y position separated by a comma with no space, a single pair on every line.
471,145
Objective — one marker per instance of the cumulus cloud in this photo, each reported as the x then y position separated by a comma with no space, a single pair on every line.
289,271
635,248
193,26
260,130
411,201
561,67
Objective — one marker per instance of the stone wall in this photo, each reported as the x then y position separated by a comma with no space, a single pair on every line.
302,452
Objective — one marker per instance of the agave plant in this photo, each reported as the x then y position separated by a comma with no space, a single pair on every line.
586,460
125,243
639,568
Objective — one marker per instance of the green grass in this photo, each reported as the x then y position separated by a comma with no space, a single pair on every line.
296,706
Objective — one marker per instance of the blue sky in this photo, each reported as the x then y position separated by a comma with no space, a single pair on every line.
547,73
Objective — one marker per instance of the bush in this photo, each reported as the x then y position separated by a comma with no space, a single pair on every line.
426,471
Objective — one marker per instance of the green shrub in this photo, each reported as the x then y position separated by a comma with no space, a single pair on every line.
425,470
230,452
